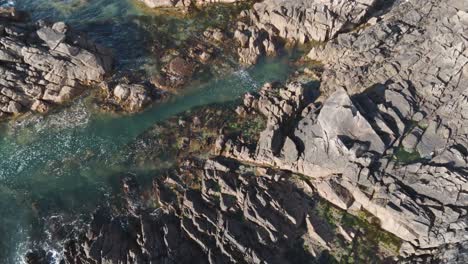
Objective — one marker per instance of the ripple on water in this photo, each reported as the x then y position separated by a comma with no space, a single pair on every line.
76,115
246,79
7,3
67,160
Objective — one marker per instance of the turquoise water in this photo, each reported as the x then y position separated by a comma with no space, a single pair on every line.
69,161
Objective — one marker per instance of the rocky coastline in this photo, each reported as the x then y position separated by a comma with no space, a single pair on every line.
44,64
360,157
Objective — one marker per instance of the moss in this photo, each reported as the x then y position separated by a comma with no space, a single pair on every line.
195,146
219,14
404,157
250,128
371,244
214,14
423,125
327,258
180,143
329,213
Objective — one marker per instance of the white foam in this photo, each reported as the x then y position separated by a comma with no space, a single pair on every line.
245,78
7,3
77,115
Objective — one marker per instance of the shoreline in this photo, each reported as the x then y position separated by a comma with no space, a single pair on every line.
359,154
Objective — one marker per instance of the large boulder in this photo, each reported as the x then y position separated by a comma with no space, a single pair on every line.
46,65
132,97
306,20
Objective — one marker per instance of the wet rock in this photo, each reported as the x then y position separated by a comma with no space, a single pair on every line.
181,69
230,218
11,14
37,257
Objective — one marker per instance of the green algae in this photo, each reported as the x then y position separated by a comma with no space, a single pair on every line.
403,156
370,244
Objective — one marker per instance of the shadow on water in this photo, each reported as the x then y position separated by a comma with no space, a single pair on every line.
66,162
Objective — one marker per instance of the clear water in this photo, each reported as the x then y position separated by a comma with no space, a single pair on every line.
68,161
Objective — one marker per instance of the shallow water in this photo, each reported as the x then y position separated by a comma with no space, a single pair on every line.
69,161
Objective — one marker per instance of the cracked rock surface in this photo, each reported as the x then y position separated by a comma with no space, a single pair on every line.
306,20
42,65
388,133
232,218
383,131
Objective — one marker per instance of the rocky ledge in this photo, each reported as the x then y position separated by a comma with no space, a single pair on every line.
220,211
387,133
43,65
213,209
265,28
381,134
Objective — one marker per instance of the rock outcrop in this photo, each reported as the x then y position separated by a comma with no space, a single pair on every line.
213,211
254,43
132,97
388,134
269,23
307,20
44,64
385,136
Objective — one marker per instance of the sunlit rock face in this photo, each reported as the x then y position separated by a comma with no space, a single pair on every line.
306,20
388,134
44,64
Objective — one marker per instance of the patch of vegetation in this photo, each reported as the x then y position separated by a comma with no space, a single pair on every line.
214,15
220,14
370,244
328,212
404,157
423,125
327,258
249,128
